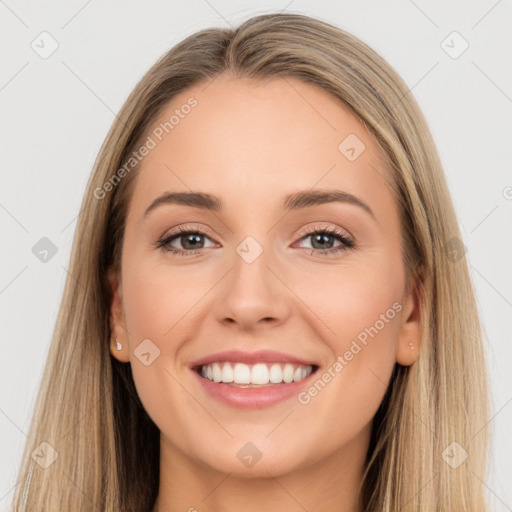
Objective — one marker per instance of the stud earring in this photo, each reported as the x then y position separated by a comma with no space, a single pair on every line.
411,344
118,345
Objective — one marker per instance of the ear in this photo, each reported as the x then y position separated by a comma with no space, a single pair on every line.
409,339
117,321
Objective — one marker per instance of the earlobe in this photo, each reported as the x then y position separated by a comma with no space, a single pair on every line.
118,350
407,352
409,339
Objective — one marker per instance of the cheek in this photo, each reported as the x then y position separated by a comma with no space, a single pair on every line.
358,299
157,301
153,306
348,392
362,309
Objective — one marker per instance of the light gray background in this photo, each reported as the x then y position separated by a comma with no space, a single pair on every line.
55,113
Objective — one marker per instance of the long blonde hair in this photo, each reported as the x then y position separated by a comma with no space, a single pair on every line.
88,411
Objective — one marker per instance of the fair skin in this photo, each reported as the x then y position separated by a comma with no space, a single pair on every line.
251,144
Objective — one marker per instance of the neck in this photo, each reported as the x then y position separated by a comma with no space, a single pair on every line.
331,483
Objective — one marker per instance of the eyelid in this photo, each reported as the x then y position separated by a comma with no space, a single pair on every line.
188,227
324,226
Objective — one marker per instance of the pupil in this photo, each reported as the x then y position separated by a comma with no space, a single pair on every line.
188,239
320,238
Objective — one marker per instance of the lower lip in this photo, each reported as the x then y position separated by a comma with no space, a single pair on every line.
253,398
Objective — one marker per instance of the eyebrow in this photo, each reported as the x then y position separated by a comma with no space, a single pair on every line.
294,201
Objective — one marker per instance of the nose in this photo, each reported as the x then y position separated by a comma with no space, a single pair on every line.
252,295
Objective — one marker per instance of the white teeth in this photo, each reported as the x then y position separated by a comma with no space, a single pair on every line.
276,374
288,373
217,373
259,374
241,374
227,373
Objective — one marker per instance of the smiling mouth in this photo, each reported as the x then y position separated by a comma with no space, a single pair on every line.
254,375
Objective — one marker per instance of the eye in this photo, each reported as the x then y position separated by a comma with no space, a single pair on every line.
321,240
189,239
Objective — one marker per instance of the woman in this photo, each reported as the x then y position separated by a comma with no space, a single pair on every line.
268,306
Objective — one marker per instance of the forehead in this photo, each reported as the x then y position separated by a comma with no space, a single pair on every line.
252,142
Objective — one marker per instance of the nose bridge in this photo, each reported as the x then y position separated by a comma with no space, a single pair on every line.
251,291
251,274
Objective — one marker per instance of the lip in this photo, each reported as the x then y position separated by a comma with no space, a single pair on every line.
253,398
259,356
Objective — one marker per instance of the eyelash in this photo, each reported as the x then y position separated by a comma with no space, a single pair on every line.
347,243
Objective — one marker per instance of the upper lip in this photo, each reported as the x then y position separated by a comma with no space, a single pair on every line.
259,356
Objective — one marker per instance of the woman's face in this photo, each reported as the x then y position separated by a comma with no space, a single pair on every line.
292,263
